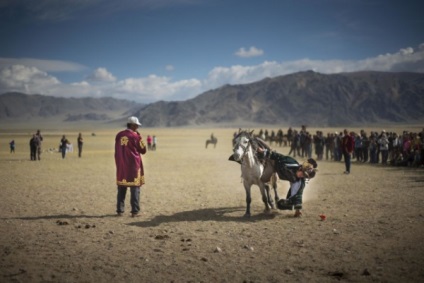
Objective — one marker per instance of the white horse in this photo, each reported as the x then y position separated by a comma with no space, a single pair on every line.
253,171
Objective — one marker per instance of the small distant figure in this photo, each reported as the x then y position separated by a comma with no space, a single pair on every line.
213,140
149,142
80,143
33,146
12,146
40,139
63,145
348,144
155,141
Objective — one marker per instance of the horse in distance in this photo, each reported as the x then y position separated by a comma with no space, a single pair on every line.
212,140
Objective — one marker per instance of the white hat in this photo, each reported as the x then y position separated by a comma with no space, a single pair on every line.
133,120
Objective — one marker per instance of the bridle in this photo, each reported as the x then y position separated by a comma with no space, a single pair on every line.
245,148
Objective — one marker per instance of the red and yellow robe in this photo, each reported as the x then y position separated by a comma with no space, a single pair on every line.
129,166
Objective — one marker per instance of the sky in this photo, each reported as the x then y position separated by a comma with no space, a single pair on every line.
173,50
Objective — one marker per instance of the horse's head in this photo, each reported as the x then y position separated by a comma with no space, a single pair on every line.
241,144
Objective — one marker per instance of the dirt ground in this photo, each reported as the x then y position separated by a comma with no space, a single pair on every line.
58,220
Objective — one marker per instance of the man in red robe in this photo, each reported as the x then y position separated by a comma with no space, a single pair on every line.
129,166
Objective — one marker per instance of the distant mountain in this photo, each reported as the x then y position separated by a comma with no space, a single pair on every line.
19,107
301,98
304,98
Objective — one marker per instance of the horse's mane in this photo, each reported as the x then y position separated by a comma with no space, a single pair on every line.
255,141
262,143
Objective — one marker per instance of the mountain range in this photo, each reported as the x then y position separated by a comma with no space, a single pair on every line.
308,98
23,107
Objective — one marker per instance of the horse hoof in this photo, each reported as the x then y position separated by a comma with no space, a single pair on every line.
268,211
246,215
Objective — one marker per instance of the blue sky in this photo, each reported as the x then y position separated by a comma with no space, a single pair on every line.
150,50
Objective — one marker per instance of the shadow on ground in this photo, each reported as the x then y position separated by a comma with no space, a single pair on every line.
221,214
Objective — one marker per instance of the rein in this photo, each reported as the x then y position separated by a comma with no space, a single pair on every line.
245,149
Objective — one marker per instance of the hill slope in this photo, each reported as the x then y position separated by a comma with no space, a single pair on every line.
307,98
21,107
301,98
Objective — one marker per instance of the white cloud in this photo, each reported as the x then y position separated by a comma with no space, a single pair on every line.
169,68
82,84
25,79
43,65
406,59
251,52
101,75
406,51
28,79
153,88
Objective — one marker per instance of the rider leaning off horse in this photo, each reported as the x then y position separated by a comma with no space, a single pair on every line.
297,174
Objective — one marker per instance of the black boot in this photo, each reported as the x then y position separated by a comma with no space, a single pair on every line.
284,204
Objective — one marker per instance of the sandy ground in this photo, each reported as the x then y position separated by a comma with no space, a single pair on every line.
58,220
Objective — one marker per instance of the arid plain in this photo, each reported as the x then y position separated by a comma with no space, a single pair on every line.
58,220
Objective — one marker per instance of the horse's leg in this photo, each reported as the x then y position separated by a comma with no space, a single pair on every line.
274,179
268,196
265,195
206,146
248,199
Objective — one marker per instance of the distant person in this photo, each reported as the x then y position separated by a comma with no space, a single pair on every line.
294,146
149,142
348,144
358,148
373,148
155,141
64,145
40,139
33,146
337,144
383,142
80,143
365,147
12,146
129,166
328,146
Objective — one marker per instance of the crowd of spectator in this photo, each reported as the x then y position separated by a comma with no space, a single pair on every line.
376,147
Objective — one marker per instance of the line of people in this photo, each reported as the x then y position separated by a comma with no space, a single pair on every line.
388,148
